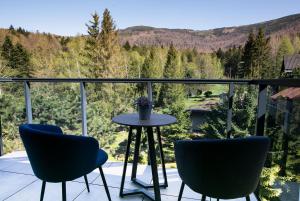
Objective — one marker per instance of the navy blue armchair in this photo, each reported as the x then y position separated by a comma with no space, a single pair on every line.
59,158
222,169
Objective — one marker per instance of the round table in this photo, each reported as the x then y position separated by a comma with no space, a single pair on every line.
133,121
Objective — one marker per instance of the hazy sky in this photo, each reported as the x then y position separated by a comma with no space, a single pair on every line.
68,17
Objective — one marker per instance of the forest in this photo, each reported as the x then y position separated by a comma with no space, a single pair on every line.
99,54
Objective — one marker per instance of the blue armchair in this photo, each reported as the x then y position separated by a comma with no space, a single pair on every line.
222,169
59,158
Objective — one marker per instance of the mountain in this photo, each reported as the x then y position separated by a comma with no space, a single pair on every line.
203,41
208,40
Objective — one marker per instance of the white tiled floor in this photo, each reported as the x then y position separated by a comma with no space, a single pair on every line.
18,183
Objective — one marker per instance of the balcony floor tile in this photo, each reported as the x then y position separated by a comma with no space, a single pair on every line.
17,182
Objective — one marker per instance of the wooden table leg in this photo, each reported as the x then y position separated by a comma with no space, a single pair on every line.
153,164
126,161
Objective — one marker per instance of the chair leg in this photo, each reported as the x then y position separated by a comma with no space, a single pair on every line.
181,191
203,198
248,198
104,183
43,191
64,195
86,183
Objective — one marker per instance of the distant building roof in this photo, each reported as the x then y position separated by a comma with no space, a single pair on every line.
290,93
290,62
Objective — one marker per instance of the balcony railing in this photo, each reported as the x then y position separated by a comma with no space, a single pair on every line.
262,96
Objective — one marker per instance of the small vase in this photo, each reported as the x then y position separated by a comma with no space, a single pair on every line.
144,112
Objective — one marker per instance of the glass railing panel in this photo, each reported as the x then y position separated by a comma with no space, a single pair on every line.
12,112
280,177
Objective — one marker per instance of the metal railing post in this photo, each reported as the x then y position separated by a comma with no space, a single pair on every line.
261,110
83,108
28,101
149,91
229,111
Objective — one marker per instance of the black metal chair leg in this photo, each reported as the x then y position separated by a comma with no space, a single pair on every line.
203,198
64,195
86,183
248,198
104,183
181,191
43,191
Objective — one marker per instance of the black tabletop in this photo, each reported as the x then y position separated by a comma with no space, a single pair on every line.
155,120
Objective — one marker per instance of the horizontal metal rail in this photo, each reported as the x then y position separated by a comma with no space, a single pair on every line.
272,82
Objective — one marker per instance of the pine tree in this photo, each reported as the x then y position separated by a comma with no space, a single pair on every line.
248,56
20,61
232,59
127,46
172,67
92,45
110,50
256,59
7,48
262,62
102,46
171,93
17,58
11,28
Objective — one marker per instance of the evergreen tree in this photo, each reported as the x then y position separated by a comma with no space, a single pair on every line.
256,59
92,45
11,28
171,93
127,46
17,58
7,48
172,67
248,56
102,46
262,63
232,59
152,65
110,50
20,61
220,54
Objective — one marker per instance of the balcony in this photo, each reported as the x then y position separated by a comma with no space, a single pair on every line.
17,181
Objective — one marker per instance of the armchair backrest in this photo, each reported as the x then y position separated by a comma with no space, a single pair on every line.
224,169
57,158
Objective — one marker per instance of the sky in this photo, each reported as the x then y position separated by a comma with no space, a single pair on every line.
68,17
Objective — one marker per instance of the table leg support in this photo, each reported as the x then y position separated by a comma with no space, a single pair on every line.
126,161
162,157
153,163
136,152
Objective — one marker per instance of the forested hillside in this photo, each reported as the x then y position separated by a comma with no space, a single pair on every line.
209,40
